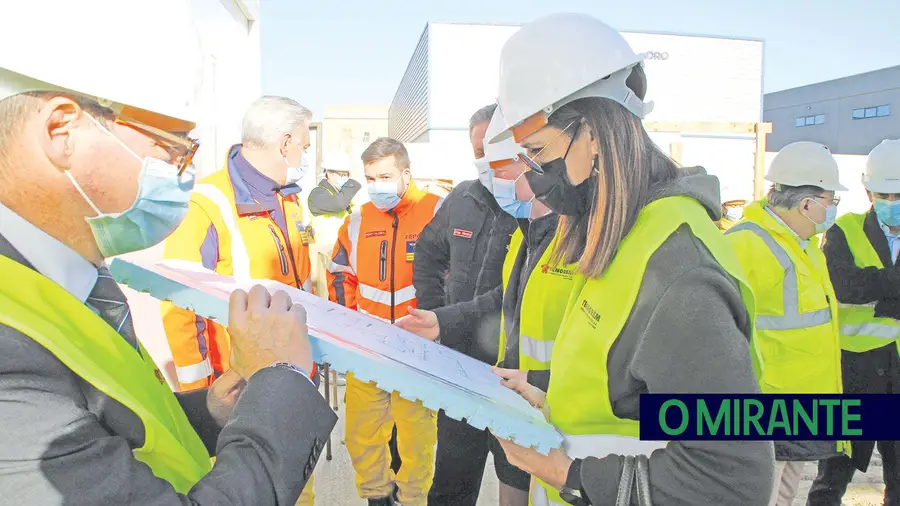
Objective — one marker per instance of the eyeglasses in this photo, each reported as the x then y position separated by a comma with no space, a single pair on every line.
834,201
533,165
181,149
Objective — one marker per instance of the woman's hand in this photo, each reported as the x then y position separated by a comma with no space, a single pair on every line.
517,380
552,469
421,323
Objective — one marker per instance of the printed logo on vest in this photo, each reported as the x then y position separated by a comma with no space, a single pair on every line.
376,233
557,271
410,251
593,315
465,234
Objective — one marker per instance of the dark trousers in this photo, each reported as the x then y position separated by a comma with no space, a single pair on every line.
877,372
459,464
836,473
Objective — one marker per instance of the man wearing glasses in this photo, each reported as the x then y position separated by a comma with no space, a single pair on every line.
862,252
796,309
95,162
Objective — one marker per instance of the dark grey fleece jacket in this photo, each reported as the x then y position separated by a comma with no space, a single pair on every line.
688,333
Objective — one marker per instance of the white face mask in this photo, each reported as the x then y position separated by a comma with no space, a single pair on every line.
485,173
295,174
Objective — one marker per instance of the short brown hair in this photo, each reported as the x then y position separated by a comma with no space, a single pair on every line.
384,147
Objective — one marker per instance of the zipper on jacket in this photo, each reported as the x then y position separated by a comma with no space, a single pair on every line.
393,256
287,239
281,254
382,261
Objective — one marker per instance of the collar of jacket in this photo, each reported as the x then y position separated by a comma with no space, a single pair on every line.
873,230
481,194
756,212
412,197
243,199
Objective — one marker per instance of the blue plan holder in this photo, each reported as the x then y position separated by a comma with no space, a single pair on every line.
371,349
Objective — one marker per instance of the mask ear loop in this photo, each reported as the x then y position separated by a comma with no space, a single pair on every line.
77,186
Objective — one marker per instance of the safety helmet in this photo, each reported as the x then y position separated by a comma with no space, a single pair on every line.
882,174
558,59
336,161
140,59
500,153
805,164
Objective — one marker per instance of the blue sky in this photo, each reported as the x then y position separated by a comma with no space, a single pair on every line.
332,52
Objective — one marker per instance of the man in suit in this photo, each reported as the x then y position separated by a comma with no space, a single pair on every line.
94,162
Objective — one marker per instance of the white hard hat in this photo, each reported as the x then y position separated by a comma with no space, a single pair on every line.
882,174
336,161
805,164
503,152
138,58
558,59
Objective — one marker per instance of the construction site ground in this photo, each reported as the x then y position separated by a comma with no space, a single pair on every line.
334,479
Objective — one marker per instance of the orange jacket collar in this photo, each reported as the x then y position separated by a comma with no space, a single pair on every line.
412,197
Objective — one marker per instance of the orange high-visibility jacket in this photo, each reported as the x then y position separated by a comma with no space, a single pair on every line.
227,231
371,268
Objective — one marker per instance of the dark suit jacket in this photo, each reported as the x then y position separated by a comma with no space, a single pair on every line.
64,442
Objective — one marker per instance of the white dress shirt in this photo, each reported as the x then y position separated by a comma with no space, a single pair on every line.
56,261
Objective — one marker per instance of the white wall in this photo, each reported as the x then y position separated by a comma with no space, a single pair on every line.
231,81
231,74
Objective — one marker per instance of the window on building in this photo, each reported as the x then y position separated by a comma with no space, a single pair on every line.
880,111
366,137
816,119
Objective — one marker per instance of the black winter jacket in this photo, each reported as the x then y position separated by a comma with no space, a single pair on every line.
876,371
460,255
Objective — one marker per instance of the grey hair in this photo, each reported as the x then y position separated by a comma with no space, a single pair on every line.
482,115
790,197
270,117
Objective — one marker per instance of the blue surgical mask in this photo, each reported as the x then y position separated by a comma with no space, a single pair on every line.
295,174
383,194
160,206
888,212
504,191
485,174
830,217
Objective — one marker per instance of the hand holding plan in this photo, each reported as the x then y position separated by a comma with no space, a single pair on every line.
265,330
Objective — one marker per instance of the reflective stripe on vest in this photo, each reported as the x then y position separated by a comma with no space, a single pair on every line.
353,232
581,447
791,319
384,297
578,397
240,260
195,372
94,351
861,330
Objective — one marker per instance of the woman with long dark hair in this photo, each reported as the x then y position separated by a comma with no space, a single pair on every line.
659,304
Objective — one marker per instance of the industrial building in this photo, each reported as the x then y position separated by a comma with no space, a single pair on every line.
850,115
453,71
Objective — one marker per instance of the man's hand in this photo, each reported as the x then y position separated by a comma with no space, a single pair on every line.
517,380
265,330
553,469
420,322
223,395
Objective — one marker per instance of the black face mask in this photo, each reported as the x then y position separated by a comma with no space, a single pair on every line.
556,192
